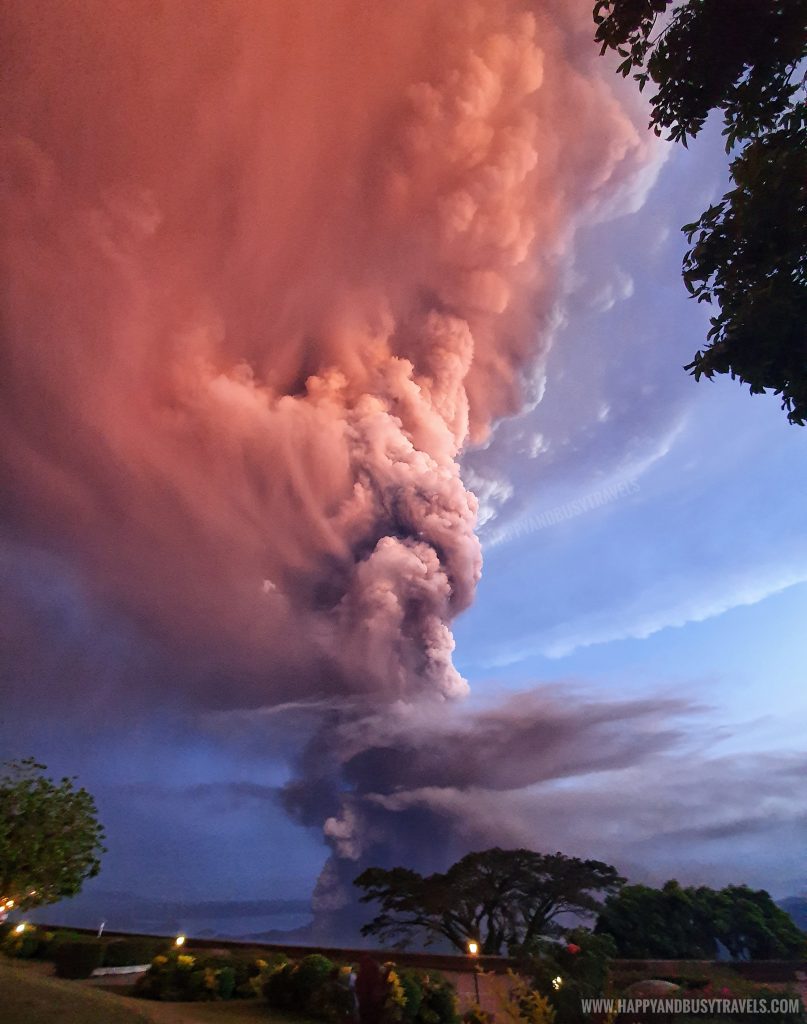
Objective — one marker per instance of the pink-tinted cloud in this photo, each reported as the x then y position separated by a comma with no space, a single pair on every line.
267,268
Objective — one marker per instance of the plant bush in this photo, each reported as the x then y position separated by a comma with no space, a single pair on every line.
78,959
390,995
411,985
183,977
526,1006
57,938
66,935
565,973
318,988
130,952
26,944
311,974
437,1001
314,986
278,987
476,1015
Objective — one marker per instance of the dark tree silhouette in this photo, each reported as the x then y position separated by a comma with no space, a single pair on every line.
501,899
748,255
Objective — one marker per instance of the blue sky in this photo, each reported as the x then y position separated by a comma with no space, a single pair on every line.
691,578
696,575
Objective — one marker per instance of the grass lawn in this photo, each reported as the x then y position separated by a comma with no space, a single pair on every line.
29,996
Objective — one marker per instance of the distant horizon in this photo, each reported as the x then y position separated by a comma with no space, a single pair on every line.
129,912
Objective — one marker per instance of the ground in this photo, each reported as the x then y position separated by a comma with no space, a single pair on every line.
31,996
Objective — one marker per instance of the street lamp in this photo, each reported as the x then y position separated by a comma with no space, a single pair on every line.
473,950
179,940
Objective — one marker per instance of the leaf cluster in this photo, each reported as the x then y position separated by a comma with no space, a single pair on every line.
50,838
675,922
743,59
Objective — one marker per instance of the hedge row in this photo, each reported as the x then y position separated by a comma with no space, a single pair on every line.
77,955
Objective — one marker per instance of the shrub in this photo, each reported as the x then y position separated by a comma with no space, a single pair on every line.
526,1006
312,973
476,1015
45,945
130,952
278,990
57,938
419,997
67,935
226,982
78,959
314,986
395,997
412,986
565,973
318,988
24,945
182,977
438,1000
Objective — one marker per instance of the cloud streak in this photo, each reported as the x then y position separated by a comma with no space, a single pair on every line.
640,782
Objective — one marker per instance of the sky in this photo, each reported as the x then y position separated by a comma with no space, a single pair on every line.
356,506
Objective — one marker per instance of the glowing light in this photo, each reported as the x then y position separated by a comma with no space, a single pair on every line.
20,928
473,948
9,904
557,982
179,940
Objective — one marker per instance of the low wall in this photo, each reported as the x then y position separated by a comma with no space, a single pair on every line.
762,971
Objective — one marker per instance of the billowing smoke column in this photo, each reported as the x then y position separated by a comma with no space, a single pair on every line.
267,268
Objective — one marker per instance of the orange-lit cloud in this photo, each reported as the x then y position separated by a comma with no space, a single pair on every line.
268,267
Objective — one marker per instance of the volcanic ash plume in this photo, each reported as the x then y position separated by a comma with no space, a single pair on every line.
268,267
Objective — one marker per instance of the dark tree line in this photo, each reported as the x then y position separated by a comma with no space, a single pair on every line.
514,901
688,923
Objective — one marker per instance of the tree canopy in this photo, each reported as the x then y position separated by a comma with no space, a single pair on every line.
749,257
687,923
50,838
501,899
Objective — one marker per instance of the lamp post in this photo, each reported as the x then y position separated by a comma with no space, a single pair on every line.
473,950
